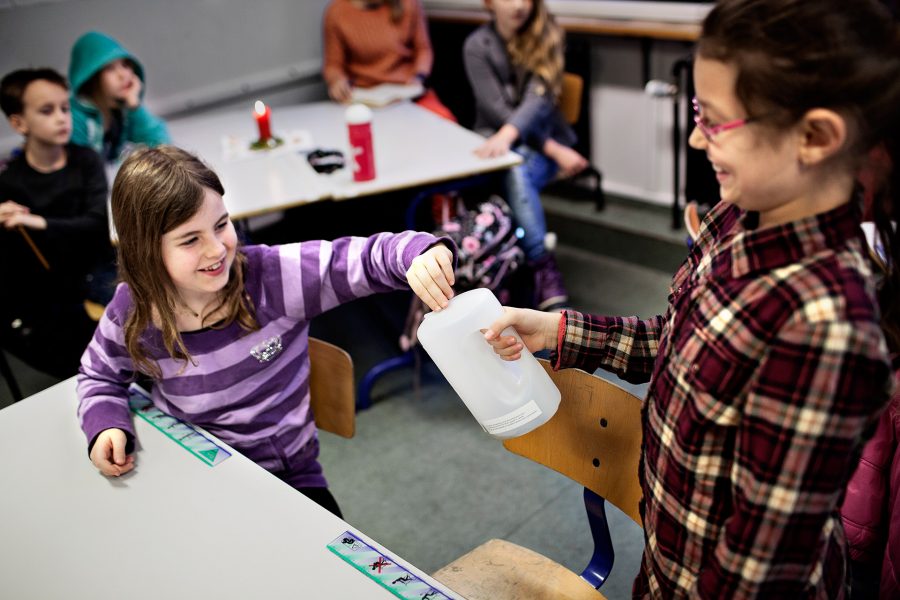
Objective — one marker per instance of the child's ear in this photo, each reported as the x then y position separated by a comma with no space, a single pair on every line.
18,123
823,135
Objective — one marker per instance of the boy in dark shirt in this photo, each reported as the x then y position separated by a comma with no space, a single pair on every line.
54,230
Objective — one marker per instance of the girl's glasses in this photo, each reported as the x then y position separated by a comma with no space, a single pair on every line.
711,131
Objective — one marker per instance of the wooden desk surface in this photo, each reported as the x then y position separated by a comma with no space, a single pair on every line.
173,528
659,30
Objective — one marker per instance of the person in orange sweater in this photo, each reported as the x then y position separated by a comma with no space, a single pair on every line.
371,42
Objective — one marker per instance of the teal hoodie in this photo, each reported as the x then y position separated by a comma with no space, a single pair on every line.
90,54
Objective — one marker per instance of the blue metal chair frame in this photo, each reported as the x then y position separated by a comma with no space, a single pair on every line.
601,562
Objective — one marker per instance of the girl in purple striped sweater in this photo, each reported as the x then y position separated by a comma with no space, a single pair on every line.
223,329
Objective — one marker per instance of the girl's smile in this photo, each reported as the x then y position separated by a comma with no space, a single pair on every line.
215,269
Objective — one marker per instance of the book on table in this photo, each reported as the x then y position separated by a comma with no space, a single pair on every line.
386,93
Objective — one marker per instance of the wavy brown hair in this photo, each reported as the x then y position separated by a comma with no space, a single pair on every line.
155,191
538,47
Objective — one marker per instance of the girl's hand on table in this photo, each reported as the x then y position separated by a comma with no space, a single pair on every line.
108,453
339,90
499,143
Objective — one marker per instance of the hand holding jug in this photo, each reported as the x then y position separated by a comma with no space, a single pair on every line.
508,398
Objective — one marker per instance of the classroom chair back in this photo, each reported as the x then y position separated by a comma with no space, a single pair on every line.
331,388
594,439
570,105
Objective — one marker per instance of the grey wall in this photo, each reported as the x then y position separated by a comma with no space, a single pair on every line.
195,52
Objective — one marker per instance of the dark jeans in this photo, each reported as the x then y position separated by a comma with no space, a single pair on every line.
864,580
523,194
322,497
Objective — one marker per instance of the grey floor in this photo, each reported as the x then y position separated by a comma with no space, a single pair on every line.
423,479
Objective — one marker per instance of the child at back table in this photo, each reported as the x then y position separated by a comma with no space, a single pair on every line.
770,364
372,42
515,66
223,329
107,98
53,195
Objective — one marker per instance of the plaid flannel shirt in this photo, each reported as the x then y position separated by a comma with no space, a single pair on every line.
766,370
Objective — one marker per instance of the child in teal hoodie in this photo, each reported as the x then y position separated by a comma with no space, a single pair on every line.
107,89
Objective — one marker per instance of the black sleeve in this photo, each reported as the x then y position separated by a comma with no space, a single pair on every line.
91,223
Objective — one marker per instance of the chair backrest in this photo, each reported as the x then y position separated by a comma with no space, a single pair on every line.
570,97
594,438
331,388
94,310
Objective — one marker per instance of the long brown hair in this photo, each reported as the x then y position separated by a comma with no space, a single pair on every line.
796,55
538,47
155,191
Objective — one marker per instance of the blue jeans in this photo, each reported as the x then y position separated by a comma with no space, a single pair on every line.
523,185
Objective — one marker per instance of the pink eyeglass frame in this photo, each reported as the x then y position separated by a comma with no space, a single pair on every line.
711,132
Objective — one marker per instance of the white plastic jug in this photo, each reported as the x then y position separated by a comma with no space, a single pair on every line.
508,398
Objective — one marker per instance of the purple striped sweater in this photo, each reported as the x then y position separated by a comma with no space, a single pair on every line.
249,389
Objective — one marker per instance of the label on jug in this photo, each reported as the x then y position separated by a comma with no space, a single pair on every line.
524,414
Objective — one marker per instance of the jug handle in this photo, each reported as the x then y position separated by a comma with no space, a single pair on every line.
512,366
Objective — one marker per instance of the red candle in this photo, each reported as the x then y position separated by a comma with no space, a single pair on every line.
262,113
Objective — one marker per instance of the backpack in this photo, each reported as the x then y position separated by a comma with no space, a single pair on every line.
488,254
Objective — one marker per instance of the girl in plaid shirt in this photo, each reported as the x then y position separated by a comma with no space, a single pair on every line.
769,367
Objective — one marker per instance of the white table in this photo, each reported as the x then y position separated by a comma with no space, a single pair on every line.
173,528
413,147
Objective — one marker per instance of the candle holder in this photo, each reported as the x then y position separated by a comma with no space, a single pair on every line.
272,142
262,114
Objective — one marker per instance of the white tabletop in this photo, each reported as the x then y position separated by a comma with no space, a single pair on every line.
173,528
412,147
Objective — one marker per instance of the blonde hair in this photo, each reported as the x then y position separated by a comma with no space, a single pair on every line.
155,191
538,47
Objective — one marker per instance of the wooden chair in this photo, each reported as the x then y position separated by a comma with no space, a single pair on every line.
331,389
93,309
570,107
594,439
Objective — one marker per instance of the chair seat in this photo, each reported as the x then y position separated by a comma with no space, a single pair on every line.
501,570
